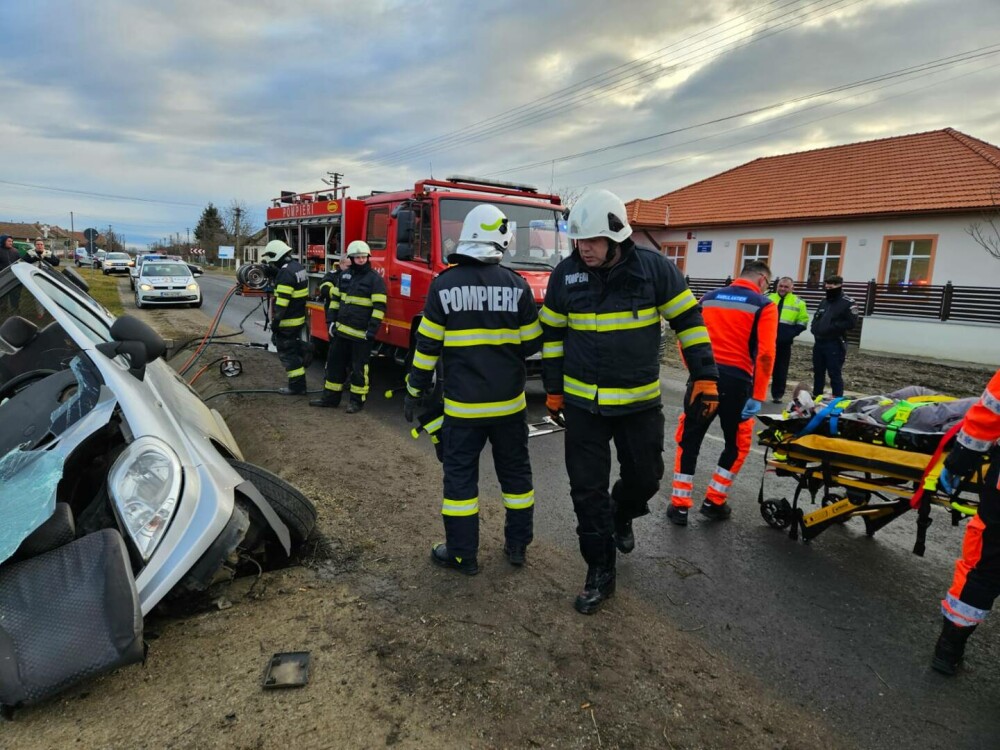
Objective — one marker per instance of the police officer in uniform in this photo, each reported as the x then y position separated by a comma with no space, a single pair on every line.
835,316
291,289
355,312
601,370
481,320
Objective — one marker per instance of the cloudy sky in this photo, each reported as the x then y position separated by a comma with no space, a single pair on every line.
137,113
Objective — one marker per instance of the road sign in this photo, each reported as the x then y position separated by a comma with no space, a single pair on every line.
90,234
226,251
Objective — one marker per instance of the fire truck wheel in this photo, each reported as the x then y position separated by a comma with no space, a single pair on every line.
296,510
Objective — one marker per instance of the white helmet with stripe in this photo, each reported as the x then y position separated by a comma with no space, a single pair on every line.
599,213
275,251
486,233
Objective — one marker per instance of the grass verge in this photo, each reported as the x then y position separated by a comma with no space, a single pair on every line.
105,289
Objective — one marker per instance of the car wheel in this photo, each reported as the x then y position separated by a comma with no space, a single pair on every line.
138,302
198,303
296,510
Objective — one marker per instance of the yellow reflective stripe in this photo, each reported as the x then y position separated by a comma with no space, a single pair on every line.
379,298
297,372
378,314
424,361
291,322
413,391
341,328
335,291
551,318
300,293
283,289
434,425
334,304
531,331
326,284
281,301
519,502
359,301
335,387
681,303
460,507
691,336
552,349
610,396
430,329
489,409
616,321
482,337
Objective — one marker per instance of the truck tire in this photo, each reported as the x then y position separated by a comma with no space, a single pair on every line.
296,510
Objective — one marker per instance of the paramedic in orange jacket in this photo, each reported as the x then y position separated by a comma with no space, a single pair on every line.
977,573
743,327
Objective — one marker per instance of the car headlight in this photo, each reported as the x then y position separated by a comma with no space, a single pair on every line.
145,484
146,287
192,287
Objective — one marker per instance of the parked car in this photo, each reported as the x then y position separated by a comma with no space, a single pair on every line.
116,263
166,282
98,258
120,487
82,258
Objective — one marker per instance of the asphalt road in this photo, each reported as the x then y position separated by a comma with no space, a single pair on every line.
214,288
843,626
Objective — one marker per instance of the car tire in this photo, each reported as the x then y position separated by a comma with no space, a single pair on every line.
138,302
198,303
296,510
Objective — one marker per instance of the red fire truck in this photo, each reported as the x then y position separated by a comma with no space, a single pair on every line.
411,233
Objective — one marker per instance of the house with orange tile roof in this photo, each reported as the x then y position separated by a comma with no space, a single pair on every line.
895,211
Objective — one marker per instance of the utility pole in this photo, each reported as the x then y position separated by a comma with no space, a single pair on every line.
333,178
111,240
238,213
72,238
189,243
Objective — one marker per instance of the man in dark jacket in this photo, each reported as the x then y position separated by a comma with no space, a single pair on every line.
481,320
601,370
355,312
291,289
835,316
8,255
793,317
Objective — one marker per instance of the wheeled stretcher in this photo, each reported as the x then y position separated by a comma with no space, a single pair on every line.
877,483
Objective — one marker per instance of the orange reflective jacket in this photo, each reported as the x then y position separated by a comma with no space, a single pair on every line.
981,428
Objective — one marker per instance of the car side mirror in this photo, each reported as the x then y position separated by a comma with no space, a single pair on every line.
136,340
404,225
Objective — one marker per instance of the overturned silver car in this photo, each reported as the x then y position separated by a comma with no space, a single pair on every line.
119,487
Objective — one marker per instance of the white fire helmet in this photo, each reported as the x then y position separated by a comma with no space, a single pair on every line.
274,252
599,213
358,247
486,233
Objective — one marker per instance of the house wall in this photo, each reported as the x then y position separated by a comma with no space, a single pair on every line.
965,342
957,258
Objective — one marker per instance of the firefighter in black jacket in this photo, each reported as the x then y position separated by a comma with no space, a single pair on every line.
355,312
601,371
291,289
481,320
835,316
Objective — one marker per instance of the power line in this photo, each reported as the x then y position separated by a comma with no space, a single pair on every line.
98,195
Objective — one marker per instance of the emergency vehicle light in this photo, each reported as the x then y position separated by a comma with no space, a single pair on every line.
491,183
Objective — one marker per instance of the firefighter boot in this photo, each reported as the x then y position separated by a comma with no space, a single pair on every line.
329,399
465,565
515,553
293,390
355,406
950,647
599,553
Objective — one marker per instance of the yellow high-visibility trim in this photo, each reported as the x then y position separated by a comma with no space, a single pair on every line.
616,321
334,304
378,314
424,361
482,337
299,293
531,331
283,289
359,301
379,298
483,410
281,301
291,322
552,349
519,501
679,304
335,387
460,507
692,336
551,318
610,396
335,291
353,332
297,372
430,329
434,425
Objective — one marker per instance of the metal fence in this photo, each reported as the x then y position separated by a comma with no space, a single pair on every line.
962,304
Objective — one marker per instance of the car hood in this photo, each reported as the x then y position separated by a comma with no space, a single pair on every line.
168,279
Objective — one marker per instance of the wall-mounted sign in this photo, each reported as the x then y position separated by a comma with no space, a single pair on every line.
704,246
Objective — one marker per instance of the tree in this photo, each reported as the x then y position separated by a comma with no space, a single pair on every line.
986,233
210,231
238,221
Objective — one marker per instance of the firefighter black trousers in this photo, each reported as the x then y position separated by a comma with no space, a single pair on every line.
462,445
638,439
288,342
348,353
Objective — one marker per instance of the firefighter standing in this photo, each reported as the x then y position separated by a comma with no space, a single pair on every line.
835,316
355,312
481,320
976,583
793,319
743,325
601,370
291,289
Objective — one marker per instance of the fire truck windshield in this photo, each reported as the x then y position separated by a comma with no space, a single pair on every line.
540,240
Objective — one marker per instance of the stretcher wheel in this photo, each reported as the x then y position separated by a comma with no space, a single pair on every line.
776,513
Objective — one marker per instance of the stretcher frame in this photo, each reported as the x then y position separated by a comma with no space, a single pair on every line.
879,484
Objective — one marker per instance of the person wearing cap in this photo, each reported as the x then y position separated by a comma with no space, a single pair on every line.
354,313
835,316
601,372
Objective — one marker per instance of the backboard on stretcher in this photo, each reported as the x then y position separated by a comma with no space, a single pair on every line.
879,483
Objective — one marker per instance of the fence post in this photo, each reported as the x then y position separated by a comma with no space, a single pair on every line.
949,292
870,298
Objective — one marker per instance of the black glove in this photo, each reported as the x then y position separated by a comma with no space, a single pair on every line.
274,336
410,406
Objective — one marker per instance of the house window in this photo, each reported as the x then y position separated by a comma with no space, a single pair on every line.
908,260
822,257
378,228
751,250
677,252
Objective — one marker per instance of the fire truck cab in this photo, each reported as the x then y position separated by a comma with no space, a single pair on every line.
411,233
